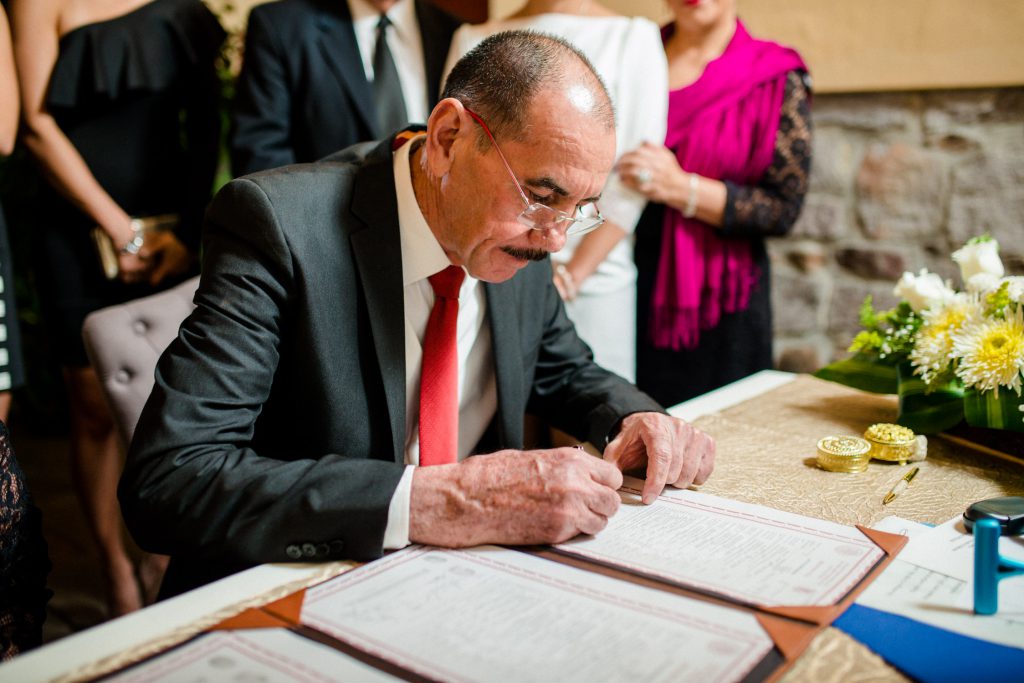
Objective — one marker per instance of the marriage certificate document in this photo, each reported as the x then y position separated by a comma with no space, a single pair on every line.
746,553
494,614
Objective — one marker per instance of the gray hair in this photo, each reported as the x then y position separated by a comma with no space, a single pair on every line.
499,78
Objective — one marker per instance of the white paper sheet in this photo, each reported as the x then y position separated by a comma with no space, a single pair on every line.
946,602
749,553
270,655
493,614
932,582
902,527
949,549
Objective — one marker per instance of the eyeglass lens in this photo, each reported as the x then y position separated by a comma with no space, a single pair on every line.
540,217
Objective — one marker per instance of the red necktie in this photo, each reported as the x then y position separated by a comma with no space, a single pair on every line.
439,382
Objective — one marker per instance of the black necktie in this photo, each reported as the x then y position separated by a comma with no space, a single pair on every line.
387,90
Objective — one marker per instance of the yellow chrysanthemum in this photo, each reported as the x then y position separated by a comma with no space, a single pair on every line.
991,352
933,345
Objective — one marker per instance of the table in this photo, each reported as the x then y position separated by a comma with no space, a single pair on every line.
164,624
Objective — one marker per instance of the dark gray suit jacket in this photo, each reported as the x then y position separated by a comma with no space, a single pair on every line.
303,94
277,421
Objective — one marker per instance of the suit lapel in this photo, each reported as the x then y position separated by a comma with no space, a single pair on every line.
378,255
341,52
508,362
435,48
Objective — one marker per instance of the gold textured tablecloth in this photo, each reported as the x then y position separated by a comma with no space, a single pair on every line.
766,455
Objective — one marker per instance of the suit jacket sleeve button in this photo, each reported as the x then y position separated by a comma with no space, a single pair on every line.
293,551
309,550
322,550
337,547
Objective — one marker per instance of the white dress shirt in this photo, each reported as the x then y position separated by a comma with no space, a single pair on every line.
422,256
406,47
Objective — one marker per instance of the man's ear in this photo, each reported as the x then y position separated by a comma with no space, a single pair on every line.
448,123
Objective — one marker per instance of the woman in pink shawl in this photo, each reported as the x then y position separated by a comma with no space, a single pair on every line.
734,170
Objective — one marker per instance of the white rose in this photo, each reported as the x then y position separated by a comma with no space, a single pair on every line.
980,257
922,291
982,283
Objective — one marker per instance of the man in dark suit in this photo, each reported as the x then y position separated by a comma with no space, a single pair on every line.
307,86
281,428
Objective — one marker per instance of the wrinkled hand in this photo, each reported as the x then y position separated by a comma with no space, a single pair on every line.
674,451
513,498
168,255
565,283
667,179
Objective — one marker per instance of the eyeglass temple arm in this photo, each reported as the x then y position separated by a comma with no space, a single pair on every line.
501,156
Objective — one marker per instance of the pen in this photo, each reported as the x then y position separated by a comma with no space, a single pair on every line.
900,486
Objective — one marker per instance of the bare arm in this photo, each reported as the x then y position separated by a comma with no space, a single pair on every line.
8,89
34,26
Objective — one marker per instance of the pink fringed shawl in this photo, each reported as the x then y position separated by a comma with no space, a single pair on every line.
722,126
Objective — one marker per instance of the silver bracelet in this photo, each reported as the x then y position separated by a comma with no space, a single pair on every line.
138,238
691,201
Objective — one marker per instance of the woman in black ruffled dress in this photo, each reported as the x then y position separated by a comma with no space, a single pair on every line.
120,103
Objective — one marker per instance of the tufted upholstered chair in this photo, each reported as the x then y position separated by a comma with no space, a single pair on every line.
124,343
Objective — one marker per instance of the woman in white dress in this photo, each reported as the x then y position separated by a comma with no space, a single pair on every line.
595,273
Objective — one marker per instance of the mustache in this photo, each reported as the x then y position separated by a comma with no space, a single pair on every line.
525,254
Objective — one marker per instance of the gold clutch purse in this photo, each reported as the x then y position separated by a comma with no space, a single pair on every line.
141,226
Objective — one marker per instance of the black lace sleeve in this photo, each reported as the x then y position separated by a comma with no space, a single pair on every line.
24,564
771,207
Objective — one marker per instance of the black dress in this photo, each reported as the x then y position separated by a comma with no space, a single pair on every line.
138,97
24,564
741,343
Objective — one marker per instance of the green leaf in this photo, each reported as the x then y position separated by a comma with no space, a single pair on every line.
865,341
983,409
928,409
862,371
868,319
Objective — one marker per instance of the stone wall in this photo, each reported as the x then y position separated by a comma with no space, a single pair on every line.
899,182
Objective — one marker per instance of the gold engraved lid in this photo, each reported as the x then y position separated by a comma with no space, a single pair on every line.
891,442
843,454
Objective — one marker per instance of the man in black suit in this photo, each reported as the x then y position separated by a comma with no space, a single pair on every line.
307,86
281,428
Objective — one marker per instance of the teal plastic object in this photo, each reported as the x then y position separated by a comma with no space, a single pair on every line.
989,566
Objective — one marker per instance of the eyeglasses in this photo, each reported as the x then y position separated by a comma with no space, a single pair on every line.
538,216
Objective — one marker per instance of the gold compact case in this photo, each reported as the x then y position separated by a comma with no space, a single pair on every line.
891,442
843,454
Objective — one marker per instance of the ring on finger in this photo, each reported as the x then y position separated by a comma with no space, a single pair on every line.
643,176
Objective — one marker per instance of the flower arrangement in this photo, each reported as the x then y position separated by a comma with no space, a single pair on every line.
949,354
